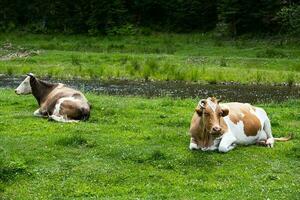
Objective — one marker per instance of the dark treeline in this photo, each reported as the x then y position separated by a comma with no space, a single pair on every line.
232,17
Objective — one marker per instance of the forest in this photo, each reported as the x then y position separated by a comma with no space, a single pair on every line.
130,17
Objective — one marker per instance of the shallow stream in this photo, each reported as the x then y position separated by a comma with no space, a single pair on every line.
228,92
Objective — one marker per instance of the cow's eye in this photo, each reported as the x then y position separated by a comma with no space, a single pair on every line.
207,114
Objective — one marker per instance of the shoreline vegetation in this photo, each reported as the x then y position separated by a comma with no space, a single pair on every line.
160,56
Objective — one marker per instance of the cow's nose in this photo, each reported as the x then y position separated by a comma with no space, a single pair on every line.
216,128
16,91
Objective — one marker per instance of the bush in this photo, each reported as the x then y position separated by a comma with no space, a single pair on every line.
124,30
271,53
289,19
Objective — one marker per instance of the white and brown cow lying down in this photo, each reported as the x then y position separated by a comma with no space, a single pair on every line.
222,126
56,101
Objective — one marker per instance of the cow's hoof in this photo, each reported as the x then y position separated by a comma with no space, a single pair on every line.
270,142
193,146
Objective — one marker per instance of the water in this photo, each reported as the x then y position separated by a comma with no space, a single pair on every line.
228,92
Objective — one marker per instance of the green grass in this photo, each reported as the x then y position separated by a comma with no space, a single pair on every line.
191,57
137,148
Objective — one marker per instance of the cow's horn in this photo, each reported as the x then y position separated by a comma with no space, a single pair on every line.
202,103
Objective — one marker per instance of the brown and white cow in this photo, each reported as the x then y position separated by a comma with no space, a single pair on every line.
56,101
222,126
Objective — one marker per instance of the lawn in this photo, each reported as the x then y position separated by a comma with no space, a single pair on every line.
137,148
188,57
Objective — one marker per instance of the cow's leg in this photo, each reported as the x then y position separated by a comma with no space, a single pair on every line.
60,118
210,148
69,109
57,113
267,128
261,142
227,142
40,113
37,113
193,144
214,146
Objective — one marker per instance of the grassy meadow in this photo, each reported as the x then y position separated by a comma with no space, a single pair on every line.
190,57
137,148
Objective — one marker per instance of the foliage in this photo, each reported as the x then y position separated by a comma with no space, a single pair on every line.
119,17
243,16
289,18
106,16
190,57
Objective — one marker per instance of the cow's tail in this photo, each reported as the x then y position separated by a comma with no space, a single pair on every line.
284,139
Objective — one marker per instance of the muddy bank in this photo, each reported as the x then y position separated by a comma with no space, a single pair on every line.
228,92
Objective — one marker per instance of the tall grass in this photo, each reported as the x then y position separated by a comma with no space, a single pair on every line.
191,57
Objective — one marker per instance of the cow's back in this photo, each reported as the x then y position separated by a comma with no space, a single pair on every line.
59,92
245,121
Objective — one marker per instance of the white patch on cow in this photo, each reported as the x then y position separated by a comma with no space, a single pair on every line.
228,141
212,105
61,119
193,146
24,87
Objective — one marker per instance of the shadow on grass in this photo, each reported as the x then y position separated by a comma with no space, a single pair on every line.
166,161
203,159
74,141
8,173
294,153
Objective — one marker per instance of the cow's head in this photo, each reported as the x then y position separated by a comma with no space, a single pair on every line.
24,87
211,112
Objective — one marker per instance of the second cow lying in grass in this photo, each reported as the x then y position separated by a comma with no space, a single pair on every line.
56,101
222,126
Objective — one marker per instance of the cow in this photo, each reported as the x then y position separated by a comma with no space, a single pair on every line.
221,127
56,101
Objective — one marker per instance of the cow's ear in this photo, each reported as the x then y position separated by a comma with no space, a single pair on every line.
225,112
198,111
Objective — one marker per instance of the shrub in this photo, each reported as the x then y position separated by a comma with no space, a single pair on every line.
75,140
291,79
271,53
289,19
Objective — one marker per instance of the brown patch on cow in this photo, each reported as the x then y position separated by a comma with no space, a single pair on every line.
41,89
195,126
251,124
70,109
244,112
